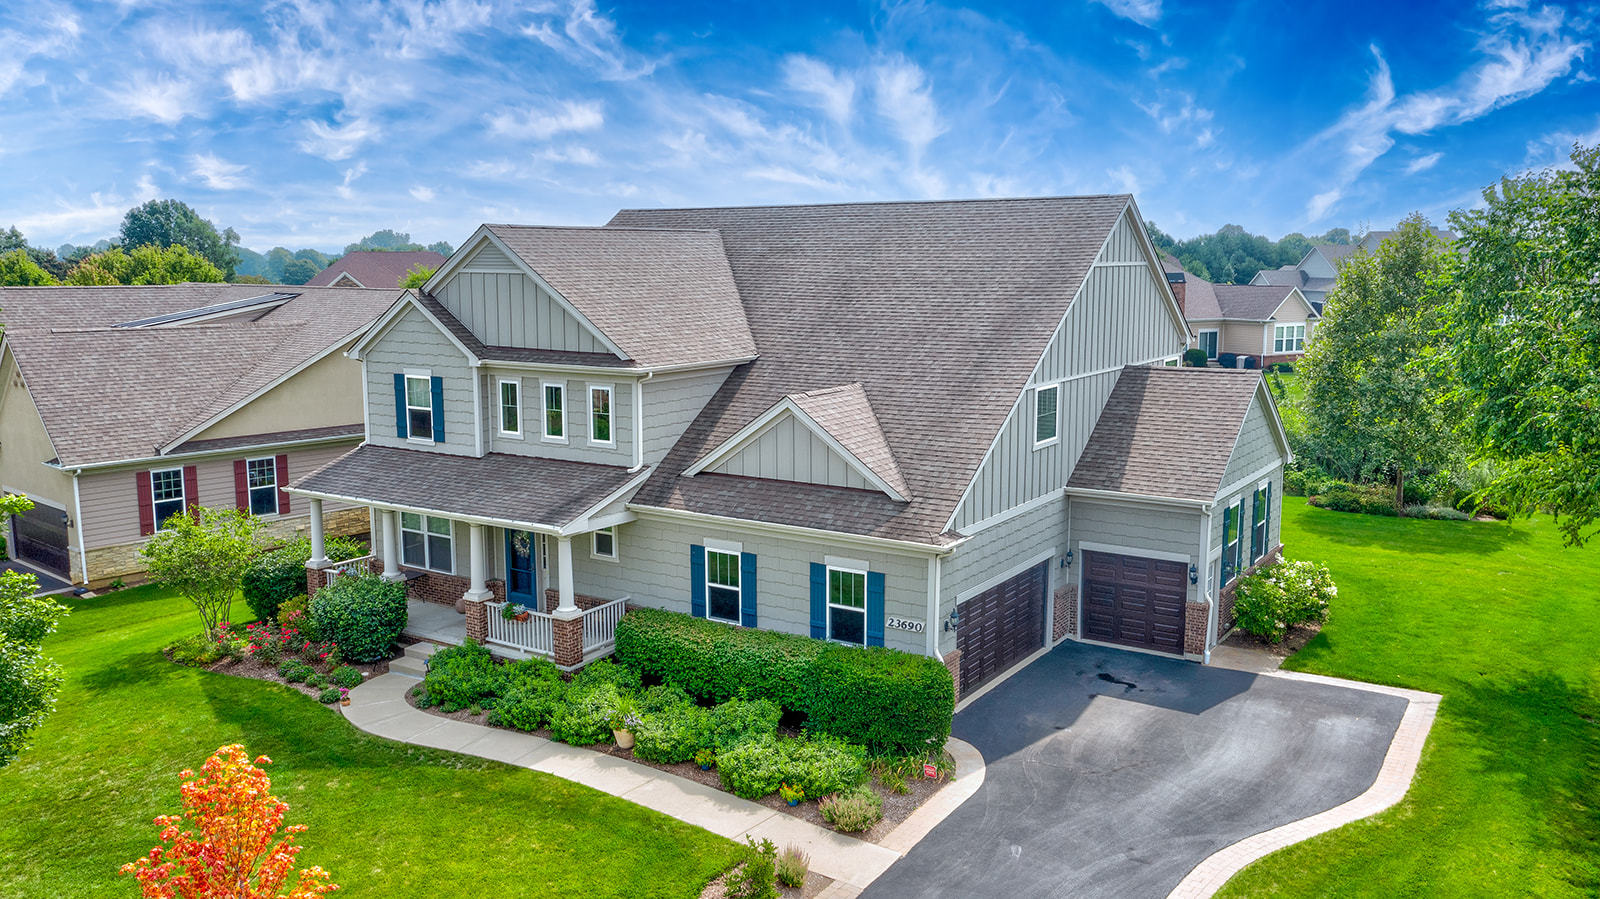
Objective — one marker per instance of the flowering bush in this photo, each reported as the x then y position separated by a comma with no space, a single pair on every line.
1278,597
271,644
227,840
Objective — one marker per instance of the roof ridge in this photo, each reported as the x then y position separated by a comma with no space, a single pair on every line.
952,201
601,228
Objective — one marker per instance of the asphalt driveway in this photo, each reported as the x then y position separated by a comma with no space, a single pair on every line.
1114,773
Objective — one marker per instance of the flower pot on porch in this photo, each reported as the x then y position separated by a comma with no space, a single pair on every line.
461,606
524,615
624,738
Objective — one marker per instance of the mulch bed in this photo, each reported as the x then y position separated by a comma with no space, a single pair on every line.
1295,640
259,670
815,884
896,807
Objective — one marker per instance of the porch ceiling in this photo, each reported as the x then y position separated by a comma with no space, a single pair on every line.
498,488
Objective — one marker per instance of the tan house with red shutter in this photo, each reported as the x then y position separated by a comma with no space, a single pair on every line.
121,406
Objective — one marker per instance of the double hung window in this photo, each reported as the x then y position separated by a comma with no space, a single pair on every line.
600,415
847,606
555,410
722,585
1288,338
166,494
419,408
426,542
511,408
262,481
605,544
1045,400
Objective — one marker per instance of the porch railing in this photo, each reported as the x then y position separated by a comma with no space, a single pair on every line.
350,566
600,625
534,635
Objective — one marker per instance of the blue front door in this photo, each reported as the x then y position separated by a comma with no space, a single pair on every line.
521,585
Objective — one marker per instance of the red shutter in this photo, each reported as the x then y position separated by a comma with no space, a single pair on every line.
191,489
241,486
283,481
147,506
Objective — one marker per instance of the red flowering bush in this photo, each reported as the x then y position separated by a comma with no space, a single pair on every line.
271,644
229,842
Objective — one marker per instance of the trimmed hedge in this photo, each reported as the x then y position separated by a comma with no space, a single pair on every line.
886,699
279,575
364,614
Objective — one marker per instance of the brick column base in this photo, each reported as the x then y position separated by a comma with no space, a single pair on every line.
1066,612
1196,618
952,662
567,639
552,598
477,622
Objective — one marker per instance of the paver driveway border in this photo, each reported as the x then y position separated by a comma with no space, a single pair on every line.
1394,779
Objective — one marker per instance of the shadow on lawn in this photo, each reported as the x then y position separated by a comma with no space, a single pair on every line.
1413,535
1541,734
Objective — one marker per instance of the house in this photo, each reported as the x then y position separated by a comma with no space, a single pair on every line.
951,428
1243,325
373,268
120,406
1316,272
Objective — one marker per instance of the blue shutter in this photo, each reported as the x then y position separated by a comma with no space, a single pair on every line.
819,601
438,409
697,581
1266,512
1255,526
400,405
874,608
747,589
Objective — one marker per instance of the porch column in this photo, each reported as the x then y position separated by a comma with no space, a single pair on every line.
479,564
319,552
566,604
389,544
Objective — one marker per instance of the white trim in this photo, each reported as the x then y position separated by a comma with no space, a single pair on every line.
1199,337
738,556
618,371
275,485
1055,436
544,412
1138,553
848,567
36,500
638,422
1202,581
1010,573
1103,264
427,552
536,527
477,409
935,575
1262,474
722,546
611,413
978,527
77,526
884,544
1291,328
426,374
586,520
229,452
845,563
408,299
183,495
500,406
594,541
366,407
1114,496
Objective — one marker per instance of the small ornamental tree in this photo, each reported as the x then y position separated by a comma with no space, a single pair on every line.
28,680
229,840
202,557
417,275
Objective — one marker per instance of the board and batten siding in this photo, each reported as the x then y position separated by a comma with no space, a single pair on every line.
1135,527
578,425
500,304
672,403
1256,449
1121,317
653,570
414,342
110,500
785,449
1001,551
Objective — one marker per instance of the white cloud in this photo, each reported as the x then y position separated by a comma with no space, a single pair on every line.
336,142
1178,113
906,99
1145,12
1423,163
163,98
422,193
1554,150
540,124
1127,182
215,172
833,91
570,156
344,190
583,35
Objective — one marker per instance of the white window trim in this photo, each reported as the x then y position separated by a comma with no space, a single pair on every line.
611,412
1056,436
273,461
500,406
827,597
739,564
594,548
427,551
426,376
1217,344
544,412
183,494
1294,332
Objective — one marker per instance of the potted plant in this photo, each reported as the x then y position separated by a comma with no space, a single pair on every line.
509,611
791,795
344,695
623,721
704,758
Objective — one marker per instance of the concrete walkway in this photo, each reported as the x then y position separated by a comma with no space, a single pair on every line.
379,707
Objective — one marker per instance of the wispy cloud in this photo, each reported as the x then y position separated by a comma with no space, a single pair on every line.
216,172
1145,12
537,123
834,92
1423,163
583,35
422,193
336,142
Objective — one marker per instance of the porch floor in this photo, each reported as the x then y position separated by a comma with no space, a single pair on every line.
436,623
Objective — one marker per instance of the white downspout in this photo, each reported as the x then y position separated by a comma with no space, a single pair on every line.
477,409
1204,567
935,570
77,525
638,420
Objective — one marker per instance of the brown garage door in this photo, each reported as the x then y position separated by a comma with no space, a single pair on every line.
1000,626
41,538
1134,601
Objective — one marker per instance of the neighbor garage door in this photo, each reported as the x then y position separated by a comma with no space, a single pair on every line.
1001,626
1134,601
40,535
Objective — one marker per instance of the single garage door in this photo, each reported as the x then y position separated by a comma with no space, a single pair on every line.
1134,601
1001,626
40,535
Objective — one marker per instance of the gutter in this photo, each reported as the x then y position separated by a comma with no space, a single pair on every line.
232,450
888,544
1119,496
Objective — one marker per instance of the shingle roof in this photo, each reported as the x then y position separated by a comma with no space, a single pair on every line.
664,297
1167,432
520,489
939,310
1287,277
108,393
97,307
1205,301
846,414
376,268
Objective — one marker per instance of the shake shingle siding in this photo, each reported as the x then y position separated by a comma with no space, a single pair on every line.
1257,448
577,423
413,342
672,403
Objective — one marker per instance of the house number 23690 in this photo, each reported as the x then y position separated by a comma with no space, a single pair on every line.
902,624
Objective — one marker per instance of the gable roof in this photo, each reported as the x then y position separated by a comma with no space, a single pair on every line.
1167,432
1205,301
22,308
939,310
375,268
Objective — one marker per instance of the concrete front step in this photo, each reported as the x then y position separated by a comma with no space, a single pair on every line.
422,650
409,666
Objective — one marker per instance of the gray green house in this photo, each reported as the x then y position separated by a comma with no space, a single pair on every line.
951,428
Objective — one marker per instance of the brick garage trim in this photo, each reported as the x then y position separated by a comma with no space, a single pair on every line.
952,663
1196,623
1066,613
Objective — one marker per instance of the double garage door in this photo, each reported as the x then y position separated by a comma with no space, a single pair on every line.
39,537
1001,626
1134,601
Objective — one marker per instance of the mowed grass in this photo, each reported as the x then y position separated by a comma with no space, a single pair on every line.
1502,621
384,818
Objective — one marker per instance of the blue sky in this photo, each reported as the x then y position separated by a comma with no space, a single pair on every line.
310,123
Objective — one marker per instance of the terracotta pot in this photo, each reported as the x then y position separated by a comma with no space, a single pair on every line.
624,738
345,701
524,616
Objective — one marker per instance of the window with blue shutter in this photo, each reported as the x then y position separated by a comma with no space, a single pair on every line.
400,429
875,608
819,601
697,581
438,409
747,589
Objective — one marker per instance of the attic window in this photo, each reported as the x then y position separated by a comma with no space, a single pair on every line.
1044,415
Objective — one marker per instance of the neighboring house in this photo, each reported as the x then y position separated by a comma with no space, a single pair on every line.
120,406
1315,273
373,268
950,428
1260,323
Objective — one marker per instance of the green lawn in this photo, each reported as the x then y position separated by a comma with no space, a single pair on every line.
1501,620
385,819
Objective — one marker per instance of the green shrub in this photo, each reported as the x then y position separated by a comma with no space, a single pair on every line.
818,765
362,613
1442,513
530,703
345,676
1338,496
295,671
1194,357
316,681
738,720
197,649
1277,597
529,670
625,679
792,865
881,697
459,676
752,770
329,696
661,697
279,575
672,734
854,811
585,718
1294,483
753,878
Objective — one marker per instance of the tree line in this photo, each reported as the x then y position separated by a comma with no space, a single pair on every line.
1234,255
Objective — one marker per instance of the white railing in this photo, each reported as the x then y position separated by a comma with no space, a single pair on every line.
351,566
534,635
600,624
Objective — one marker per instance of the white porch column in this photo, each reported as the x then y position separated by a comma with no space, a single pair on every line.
389,544
566,604
319,551
479,564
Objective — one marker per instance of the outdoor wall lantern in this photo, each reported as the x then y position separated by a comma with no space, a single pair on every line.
1066,560
954,619
1194,574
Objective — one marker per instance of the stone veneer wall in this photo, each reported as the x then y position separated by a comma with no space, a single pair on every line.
1066,613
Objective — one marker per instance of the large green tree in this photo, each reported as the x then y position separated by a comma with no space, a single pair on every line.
145,265
28,680
1524,338
1233,255
18,269
1374,406
168,223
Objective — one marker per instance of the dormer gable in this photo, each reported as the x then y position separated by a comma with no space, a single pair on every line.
830,437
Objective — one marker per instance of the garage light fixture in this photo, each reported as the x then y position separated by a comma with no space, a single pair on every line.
953,620
1194,574
1066,561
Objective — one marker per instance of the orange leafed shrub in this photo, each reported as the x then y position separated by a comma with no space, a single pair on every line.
229,842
